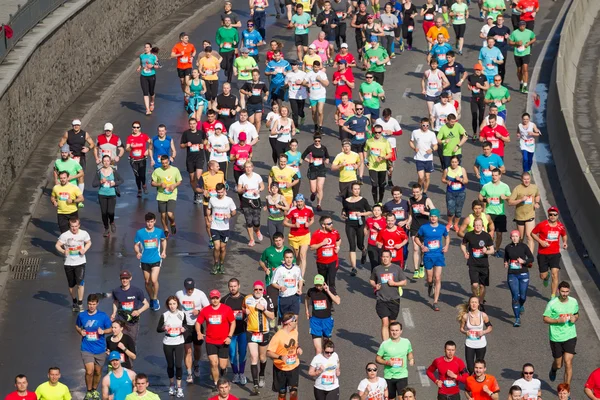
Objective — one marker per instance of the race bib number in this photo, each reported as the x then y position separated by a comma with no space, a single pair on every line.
376,152
428,17
449,383
476,91
487,172
386,277
214,320
418,208
489,66
499,38
195,148
301,220
127,305
515,264
91,336
450,71
319,305
137,153
225,112
291,360
367,96
477,253
529,142
473,335
528,200
173,332
360,135
399,214
220,216
353,216
257,337
188,305
432,85
227,45
256,92
74,251
183,60
151,243
238,314
552,236
495,201
327,379
433,244
317,162
456,186
289,283
282,185
327,252
495,143
397,362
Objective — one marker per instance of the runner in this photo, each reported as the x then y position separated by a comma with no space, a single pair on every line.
195,92
498,95
355,209
475,324
250,185
526,198
294,156
284,129
391,129
355,129
496,134
243,68
21,393
321,298
322,46
424,142
518,258
270,259
317,81
495,194
371,93
185,52
109,180
441,111
317,157
66,163
220,210
433,83
326,243
161,144
301,21
53,389
173,324
343,54
428,11
522,39
501,33
476,246
77,139
121,343
439,51
220,326
297,94
192,301
325,369
486,163
209,67
344,82
547,234
128,304
387,280
73,244
223,387
460,15
219,148
108,144
252,38
256,92
92,325
228,13
141,392
395,354
259,309
478,84
455,177
452,136
227,106
194,141
378,150
309,58
347,162
390,24
530,386
284,350
372,387
429,238
328,21
480,385
277,69
527,131
239,343
151,249
277,207
400,209
490,57
450,370
148,63
375,60
299,219
419,205
166,179
227,38
359,20
210,180
118,383
437,28
467,224
137,146
288,280
285,177
393,238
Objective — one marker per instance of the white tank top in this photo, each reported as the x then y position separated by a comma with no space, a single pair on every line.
527,141
433,84
285,130
173,324
473,341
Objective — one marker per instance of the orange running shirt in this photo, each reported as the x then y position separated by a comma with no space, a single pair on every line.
184,61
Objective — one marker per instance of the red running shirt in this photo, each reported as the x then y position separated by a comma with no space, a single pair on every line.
489,134
326,254
449,385
217,322
341,86
302,216
550,234
528,7
374,225
15,396
391,238
138,146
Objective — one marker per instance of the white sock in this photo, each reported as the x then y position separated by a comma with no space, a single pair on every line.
81,186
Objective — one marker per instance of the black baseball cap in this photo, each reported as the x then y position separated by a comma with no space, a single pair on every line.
189,284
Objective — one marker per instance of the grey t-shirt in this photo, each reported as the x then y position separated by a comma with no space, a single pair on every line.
232,16
381,275
387,21
342,6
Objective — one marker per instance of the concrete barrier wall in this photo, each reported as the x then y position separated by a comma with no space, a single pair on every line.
579,186
62,66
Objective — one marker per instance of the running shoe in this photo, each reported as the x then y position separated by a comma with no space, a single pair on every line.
319,208
113,228
243,379
139,194
421,271
96,395
89,395
517,323
259,236
498,255
215,269
145,189
435,307
190,378
522,309
430,290
521,87
400,291
416,274
156,305
449,226
106,233
481,308
363,258
221,269
353,272
236,378
302,120
313,196
261,381
75,307
255,391
172,391
173,229
525,90
197,371
456,227
552,374
251,243
151,106
80,306
180,393
545,281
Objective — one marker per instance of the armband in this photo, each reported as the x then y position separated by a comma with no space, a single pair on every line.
487,324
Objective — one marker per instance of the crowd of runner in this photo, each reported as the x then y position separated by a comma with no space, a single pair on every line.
225,125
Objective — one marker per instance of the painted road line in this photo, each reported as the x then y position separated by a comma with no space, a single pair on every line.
399,118
406,92
407,318
584,298
419,68
423,376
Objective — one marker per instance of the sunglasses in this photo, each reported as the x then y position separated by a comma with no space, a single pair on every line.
136,127
527,373
377,132
250,25
425,126
369,77
328,352
258,289
359,109
107,130
317,141
497,80
552,214
372,369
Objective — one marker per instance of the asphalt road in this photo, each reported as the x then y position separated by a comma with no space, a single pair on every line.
37,322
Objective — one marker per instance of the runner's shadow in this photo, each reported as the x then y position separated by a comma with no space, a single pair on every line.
169,97
50,227
58,299
359,339
133,106
43,244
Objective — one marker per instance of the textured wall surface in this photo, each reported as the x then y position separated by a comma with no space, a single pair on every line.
62,66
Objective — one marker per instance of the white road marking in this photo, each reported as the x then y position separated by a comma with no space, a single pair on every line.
423,376
419,68
406,92
407,318
584,298
399,118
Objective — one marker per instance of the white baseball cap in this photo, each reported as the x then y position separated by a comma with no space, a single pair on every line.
344,46
76,122
313,46
108,126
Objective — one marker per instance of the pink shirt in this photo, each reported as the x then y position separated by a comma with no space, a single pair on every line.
243,152
322,50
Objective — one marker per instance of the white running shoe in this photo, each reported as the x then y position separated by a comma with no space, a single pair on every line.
236,378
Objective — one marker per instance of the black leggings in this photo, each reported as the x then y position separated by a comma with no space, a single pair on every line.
227,63
378,179
477,114
297,107
273,143
327,394
107,208
471,355
373,252
139,171
174,356
148,83
408,36
356,236
387,42
223,167
340,34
